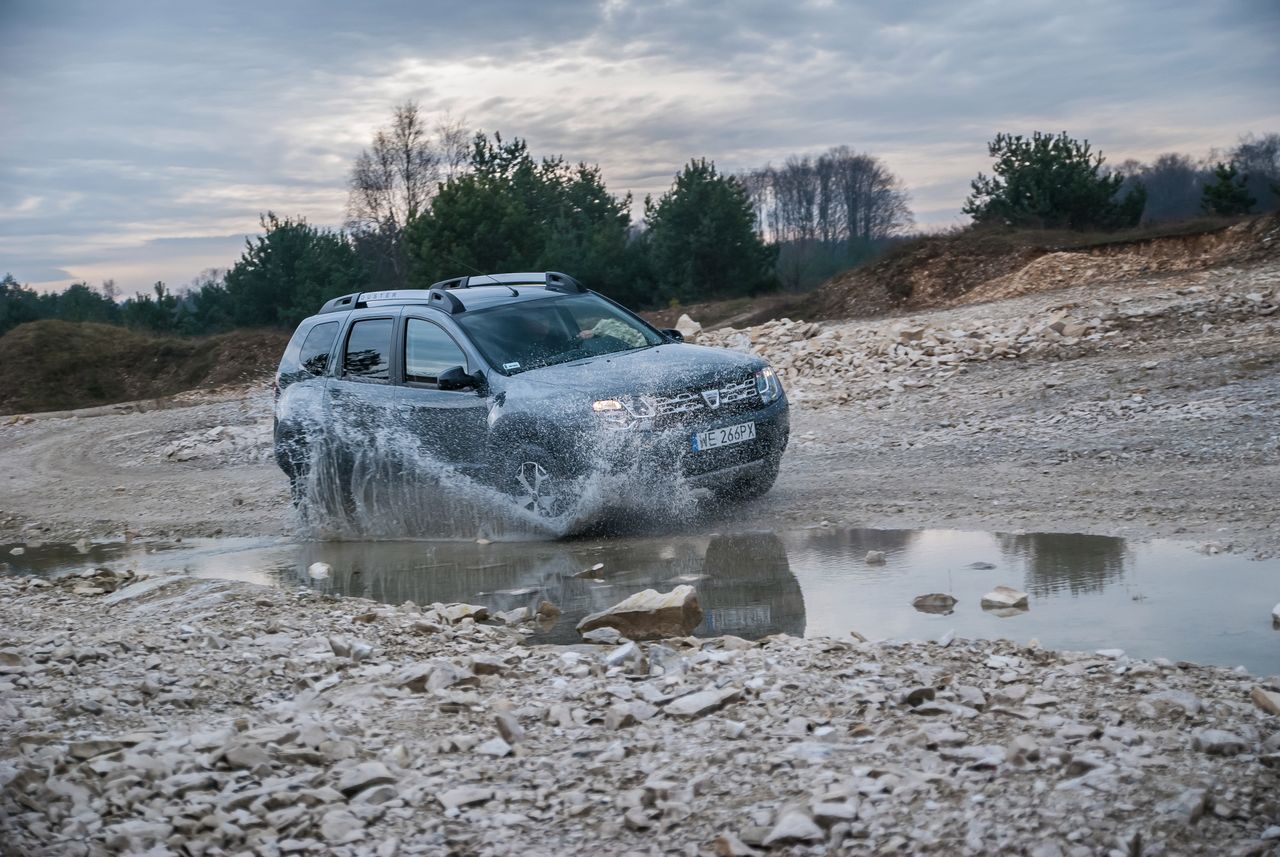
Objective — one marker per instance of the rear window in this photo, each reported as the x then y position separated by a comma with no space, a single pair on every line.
368,354
314,355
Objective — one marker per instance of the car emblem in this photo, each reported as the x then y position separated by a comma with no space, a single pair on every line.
712,398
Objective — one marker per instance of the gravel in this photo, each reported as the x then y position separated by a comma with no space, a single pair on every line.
218,717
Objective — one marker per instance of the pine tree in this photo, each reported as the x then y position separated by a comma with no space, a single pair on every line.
1228,195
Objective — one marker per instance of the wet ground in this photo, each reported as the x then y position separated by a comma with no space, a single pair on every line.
1152,599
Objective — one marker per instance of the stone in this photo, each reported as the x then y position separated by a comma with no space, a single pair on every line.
703,702
340,826
650,615
688,328
1275,616
1190,806
934,602
1004,596
1188,703
874,558
319,570
462,796
727,845
508,727
1218,742
793,826
603,636
455,613
495,747
828,813
513,617
363,776
1266,700
982,566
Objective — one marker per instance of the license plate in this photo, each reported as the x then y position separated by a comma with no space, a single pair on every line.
727,436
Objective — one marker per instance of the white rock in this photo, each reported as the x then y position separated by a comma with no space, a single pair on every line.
1004,596
793,827
461,796
319,570
874,558
688,328
650,615
1218,742
703,702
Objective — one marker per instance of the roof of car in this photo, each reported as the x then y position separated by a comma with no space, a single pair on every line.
462,294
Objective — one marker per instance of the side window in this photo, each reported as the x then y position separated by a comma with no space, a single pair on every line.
428,351
368,354
314,355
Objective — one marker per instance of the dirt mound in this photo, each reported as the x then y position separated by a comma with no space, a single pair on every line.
56,365
975,265
1243,243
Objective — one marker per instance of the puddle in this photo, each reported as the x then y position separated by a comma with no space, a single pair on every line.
1157,598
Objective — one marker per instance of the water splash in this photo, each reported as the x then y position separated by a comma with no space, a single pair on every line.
368,475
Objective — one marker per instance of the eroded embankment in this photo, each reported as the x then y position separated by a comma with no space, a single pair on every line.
217,717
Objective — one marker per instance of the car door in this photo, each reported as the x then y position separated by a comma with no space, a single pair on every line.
361,393
449,425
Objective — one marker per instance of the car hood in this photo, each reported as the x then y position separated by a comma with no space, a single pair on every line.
676,366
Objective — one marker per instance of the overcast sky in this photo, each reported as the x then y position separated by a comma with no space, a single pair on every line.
142,139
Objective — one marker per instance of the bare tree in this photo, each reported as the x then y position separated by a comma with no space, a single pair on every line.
393,181
828,212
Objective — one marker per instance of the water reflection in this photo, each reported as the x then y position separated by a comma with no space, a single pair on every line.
1087,592
744,581
1059,561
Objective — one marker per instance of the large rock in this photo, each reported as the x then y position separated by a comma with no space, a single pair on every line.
702,702
1267,700
688,328
1004,596
934,602
650,615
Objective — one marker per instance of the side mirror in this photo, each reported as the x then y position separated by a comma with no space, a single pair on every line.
672,333
456,378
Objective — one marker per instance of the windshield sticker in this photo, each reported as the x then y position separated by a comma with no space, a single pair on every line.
507,367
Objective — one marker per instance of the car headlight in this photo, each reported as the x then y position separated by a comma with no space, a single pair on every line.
767,385
625,412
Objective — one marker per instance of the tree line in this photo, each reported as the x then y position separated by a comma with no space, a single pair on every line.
430,202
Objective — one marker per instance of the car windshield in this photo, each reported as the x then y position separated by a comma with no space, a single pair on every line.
522,336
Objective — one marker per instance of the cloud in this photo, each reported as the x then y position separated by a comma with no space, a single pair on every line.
131,123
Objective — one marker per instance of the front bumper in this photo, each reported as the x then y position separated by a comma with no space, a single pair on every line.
670,450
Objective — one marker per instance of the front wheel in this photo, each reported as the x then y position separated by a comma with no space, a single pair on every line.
537,481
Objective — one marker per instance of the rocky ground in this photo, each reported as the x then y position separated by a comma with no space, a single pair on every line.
1143,409
175,716
218,718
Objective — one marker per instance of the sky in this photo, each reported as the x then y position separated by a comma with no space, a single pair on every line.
142,140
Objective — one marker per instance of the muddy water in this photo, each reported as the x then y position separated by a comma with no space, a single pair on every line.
1151,599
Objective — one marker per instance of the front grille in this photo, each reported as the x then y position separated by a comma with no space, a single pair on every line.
680,407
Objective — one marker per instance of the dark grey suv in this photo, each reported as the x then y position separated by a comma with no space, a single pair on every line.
525,382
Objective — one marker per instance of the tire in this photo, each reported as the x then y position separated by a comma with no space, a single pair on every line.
753,485
536,479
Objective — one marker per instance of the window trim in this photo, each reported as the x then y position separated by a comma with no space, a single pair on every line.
341,367
466,364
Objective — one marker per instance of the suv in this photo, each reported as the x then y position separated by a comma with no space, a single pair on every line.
526,382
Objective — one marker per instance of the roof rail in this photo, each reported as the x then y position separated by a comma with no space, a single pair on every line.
341,304
438,294
448,302
553,280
